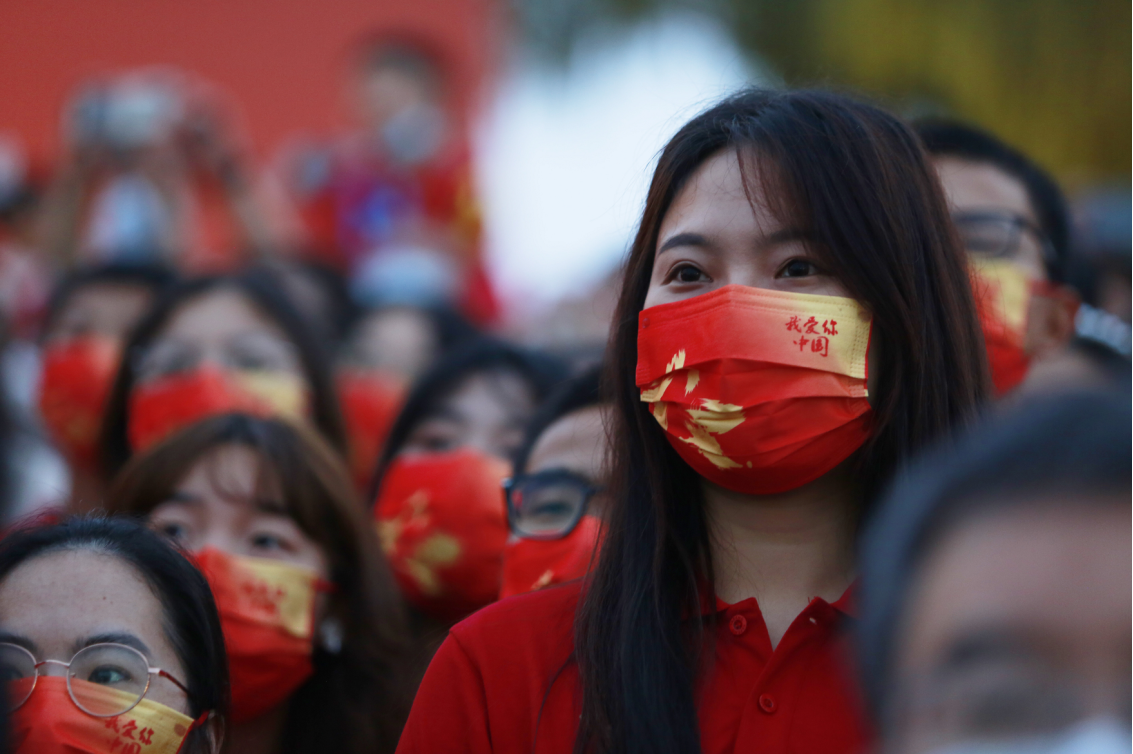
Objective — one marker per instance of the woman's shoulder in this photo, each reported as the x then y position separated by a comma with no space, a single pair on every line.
535,626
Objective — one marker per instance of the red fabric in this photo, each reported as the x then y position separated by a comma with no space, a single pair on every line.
370,402
490,684
50,723
443,525
759,391
267,615
159,408
531,564
76,380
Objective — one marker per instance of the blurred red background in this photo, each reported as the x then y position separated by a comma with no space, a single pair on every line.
284,61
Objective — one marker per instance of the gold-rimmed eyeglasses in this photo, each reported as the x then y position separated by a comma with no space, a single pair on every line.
103,680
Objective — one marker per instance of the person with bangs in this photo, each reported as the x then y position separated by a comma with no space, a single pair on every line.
311,616
796,319
214,345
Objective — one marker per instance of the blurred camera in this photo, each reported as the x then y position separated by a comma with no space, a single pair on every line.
125,114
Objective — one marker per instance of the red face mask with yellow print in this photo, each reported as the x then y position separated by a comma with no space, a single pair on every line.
370,400
159,408
267,614
443,525
1003,293
50,723
759,391
75,382
532,564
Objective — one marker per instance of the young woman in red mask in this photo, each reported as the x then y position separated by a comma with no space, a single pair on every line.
558,488
796,318
138,626
438,496
311,616
215,345
89,317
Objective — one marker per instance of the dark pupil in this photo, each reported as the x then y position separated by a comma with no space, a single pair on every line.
688,274
107,675
798,268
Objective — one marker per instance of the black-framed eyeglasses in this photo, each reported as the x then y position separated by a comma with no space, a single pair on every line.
999,234
548,504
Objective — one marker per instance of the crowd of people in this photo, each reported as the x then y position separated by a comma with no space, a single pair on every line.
850,474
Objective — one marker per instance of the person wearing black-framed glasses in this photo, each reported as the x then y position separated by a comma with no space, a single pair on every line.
554,498
1013,221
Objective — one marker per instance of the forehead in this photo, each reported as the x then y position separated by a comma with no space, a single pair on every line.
1062,572
971,185
576,442
717,198
63,595
218,314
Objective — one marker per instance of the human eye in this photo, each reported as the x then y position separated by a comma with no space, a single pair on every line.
686,274
171,525
798,268
108,675
268,542
434,437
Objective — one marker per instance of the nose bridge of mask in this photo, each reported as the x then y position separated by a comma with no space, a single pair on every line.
50,721
263,591
827,335
534,564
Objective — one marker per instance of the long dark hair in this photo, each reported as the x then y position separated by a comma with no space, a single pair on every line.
192,625
265,294
856,179
355,701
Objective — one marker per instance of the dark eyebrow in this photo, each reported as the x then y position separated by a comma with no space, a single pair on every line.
271,505
988,645
113,637
179,496
19,641
683,239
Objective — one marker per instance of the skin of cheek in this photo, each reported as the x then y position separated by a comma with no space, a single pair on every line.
59,599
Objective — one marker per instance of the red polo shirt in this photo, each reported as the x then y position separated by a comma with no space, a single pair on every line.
503,666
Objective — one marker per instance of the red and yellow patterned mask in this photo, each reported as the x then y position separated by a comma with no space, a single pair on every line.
759,391
267,613
443,525
74,385
159,408
50,723
1003,293
532,564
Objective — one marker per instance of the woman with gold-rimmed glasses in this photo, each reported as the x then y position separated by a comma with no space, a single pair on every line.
109,641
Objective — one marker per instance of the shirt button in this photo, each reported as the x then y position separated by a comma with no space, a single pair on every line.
738,624
645,322
767,703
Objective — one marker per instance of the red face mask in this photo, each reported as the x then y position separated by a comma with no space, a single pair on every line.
532,564
1003,296
267,613
50,723
443,525
370,401
759,391
159,408
75,382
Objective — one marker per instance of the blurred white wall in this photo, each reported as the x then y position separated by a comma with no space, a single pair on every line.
565,155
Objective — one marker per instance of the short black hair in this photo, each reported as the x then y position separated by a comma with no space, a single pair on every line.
581,391
1074,446
153,276
949,138
541,371
191,621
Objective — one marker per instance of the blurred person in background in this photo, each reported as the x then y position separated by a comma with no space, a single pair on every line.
995,602
213,345
1015,225
557,489
24,278
438,496
395,201
312,618
154,172
92,312
134,627
796,320
387,347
